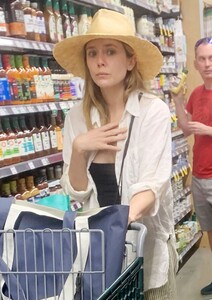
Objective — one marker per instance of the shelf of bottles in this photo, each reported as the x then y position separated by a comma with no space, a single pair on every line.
99,4
36,163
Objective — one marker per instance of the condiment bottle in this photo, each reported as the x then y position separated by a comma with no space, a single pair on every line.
12,147
30,72
31,187
16,18
36,135
23,75
28,21
58,20
66,20
73,19
44,133
14,189
34,7
29,145
59,129
3,137
5,190
41,24
20,136
52,132
83,21
50,22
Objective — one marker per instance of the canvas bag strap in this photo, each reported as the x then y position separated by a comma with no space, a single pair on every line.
125,151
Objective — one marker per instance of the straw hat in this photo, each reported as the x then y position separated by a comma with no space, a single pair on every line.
109,24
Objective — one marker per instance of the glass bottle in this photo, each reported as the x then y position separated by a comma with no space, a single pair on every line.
65,20
47,82
28,21
50,22
41,24
58,124
29,145
73,19
52,132
12,148
5,190
34,6
20,136
16,18
5,96
36,135
83,21
14,188
3,143
23,79
21,184
44,133
58,20
30,72
31,187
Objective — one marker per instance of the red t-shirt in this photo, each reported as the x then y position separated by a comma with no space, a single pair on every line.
200,107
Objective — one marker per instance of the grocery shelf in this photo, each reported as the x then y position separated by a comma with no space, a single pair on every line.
189,250
99,4
30,165
14,45
7,110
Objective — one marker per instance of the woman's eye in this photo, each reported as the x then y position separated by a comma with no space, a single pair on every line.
91,53
110,51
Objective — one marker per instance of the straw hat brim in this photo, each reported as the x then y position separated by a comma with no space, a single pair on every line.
70,54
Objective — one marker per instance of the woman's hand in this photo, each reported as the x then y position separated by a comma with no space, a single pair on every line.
102,138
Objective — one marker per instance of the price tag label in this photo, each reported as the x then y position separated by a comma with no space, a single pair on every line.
31,165
40,107
64,105
45,107
13,170
15,110
26,44
18,44
31,109
35,45
22,109
49,47
45,161
52,106
3,112
41,46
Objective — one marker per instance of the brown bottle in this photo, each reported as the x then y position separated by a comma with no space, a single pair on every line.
12,142
28,137
31,186
14,189
41,24
50,22
3,137
52,132
59,125
28,21
36,135
34,7
20,136
16,18
44,133
5,189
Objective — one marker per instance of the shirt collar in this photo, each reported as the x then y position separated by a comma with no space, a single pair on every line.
132,107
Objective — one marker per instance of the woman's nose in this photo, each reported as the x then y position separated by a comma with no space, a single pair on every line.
100,60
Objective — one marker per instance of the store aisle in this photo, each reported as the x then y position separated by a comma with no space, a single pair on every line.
195,274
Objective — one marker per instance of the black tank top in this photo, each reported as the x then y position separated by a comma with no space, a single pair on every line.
104,178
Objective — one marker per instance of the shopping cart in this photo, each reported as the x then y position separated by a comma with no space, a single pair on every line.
29,270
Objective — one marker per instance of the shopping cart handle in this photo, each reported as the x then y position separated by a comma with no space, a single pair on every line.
142,231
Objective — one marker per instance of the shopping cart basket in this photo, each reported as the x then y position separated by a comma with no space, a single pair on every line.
30,271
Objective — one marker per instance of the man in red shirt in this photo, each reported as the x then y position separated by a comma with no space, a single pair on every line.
196,118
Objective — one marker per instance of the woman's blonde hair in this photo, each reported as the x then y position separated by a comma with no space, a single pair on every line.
93,95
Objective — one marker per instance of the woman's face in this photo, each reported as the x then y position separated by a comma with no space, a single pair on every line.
107,62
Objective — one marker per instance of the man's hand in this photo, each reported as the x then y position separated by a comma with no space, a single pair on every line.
199,128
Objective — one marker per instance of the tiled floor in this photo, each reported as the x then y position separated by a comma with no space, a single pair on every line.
194,275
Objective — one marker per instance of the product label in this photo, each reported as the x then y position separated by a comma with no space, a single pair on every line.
53,139
37,142
28,23
45,139
52,29
3,27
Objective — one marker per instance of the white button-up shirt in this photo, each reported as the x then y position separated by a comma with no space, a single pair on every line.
147,166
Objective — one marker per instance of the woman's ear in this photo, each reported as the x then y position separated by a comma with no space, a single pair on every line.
132,62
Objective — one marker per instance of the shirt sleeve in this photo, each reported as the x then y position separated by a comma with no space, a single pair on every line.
154,153
68,137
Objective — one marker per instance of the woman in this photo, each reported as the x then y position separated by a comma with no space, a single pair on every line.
115,65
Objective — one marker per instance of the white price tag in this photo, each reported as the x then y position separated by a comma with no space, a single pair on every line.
41,46
15,110
31,165
22,109
3,112
18,44
34,45
45,161
64,105
40,107
31,108
13,170
26,44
